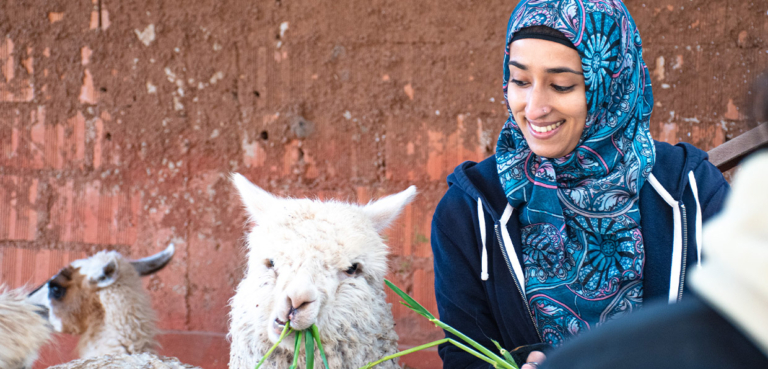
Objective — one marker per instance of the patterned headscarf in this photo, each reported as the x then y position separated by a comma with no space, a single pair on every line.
582,247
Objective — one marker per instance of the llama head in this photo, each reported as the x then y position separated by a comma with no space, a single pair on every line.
73,295
313,262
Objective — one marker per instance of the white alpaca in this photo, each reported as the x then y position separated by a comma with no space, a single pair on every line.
314,262
23,330
102,300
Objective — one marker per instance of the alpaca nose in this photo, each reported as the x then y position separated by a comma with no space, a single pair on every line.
296,303
299,296
295,310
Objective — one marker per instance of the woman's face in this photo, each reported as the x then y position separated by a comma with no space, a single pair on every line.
547,96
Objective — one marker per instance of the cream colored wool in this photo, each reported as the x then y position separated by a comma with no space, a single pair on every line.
735,270
23,331
311,244
122,361
113,316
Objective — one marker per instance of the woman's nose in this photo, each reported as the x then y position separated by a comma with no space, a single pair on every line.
538,105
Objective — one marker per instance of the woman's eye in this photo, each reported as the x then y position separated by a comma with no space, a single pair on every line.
519,83
563,88
270,263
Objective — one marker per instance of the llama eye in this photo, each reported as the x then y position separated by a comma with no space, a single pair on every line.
270,263
353,269
56,291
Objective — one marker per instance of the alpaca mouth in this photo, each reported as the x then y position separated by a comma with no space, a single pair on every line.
278,325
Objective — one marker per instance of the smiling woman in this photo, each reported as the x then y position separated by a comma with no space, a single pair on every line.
546,95
572,223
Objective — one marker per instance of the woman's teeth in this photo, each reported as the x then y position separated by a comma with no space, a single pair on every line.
547,128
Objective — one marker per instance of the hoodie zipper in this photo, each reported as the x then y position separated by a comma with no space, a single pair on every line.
685,251
514,278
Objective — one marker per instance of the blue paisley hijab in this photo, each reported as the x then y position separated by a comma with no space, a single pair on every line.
582,247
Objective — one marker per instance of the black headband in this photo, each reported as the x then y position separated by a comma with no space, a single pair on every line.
543,33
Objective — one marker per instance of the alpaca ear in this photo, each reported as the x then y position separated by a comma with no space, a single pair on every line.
108,274
386,210
256,201
152,264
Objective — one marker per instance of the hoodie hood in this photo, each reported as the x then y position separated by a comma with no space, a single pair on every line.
480,181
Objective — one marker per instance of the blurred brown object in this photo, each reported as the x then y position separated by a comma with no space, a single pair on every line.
760,99
729,154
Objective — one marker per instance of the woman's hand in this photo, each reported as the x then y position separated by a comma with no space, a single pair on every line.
535,358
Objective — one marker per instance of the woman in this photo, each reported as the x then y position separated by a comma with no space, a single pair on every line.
580,217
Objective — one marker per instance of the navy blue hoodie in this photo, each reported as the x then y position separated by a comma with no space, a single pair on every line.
683,190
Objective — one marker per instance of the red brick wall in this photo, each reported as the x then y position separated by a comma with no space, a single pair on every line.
120,120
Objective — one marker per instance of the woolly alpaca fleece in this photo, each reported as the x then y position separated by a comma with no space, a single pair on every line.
23,330
127,322
314,262
123,361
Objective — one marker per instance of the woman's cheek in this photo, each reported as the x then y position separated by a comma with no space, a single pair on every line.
516,100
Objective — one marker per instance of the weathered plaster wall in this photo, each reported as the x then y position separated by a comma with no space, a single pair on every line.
120,120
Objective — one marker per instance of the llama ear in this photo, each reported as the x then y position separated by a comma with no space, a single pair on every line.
108,274
257,201
152,264
386,210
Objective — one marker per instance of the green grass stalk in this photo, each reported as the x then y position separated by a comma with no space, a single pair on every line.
309,347
316,335
286,331
428,345
296,347
507,356
500,361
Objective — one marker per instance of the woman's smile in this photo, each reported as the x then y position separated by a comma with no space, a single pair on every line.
543,130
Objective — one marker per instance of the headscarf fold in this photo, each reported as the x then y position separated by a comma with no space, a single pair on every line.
582,246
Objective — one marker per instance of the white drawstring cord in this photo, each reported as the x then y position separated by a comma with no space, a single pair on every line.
510,247
677,239
699,244
484,257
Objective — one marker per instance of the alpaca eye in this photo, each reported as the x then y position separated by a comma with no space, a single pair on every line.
270,263
353,269
56,291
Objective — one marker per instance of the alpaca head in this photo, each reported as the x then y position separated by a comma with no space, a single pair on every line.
313,262
73,295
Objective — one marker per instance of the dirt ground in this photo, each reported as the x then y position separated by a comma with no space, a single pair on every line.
121,120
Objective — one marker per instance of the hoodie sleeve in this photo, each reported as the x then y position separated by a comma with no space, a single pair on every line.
461,297
712,188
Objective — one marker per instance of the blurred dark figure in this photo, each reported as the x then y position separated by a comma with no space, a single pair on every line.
760,98
724,323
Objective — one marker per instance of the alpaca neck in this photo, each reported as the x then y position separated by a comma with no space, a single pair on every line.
127,326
